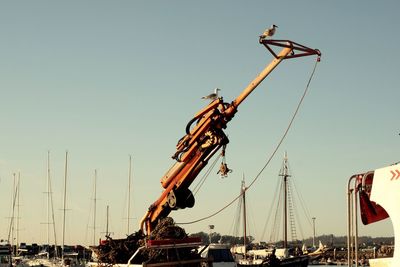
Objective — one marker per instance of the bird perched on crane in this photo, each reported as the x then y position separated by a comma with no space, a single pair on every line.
212,96
268,32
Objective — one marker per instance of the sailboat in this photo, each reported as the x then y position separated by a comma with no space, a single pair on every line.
68,257
49,255
50,207
272,256
13,247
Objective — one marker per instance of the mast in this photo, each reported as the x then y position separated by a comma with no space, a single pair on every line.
50,210
12,223
18,190
129,192
64,205
107,222
285,174
48,200
50,206
313,239
94,208
244,215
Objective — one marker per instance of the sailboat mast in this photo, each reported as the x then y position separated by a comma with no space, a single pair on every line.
94,208
244,215
48,199
64,204
12,219
50,209
129,192
18,185
53,220
285,211
107,222
285,174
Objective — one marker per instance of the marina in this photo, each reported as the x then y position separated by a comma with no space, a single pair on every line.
80,256
161,242
128,127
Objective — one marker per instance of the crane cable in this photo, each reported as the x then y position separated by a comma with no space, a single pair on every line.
271,156
198,186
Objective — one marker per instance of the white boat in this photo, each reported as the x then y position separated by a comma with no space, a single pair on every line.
379,195
219,254
381,262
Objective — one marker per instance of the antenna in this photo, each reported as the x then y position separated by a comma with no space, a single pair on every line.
64,204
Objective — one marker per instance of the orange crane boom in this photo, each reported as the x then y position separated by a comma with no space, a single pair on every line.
205,138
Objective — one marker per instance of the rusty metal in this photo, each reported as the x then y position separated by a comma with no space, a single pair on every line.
298,50
205,136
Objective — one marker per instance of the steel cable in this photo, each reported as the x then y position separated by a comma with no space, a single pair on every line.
271,156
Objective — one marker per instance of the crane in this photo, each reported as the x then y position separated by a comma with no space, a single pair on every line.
205,137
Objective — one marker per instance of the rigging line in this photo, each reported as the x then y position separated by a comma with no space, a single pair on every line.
237,219
297,220
288,127
271,156
276,227
89,218
296,193
303,204
54,222
11,228
251,223
273,204
295,212
198,186
196,189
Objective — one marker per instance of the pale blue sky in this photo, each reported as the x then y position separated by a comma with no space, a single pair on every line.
105,79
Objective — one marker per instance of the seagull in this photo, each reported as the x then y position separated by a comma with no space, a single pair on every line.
268,32
212,96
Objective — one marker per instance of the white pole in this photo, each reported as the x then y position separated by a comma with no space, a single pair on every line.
313,240
13,212
94,213
18,184
129,193
48,199
64,205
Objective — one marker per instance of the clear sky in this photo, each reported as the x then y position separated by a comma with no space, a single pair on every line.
109,79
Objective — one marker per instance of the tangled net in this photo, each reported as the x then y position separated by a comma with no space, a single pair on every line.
115,251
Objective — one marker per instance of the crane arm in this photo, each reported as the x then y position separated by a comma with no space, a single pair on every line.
203,140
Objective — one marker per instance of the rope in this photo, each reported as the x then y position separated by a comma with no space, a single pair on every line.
198,186
271,156
278,217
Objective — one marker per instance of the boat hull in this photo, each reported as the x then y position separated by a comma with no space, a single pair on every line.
380,262
300,261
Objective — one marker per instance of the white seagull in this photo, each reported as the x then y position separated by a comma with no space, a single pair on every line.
212,96
269,32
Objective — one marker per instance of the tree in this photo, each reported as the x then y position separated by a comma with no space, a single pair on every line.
204,237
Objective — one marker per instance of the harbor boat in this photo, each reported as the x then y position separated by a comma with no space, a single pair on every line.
272,256
378,192
220,255
5,255
166,252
